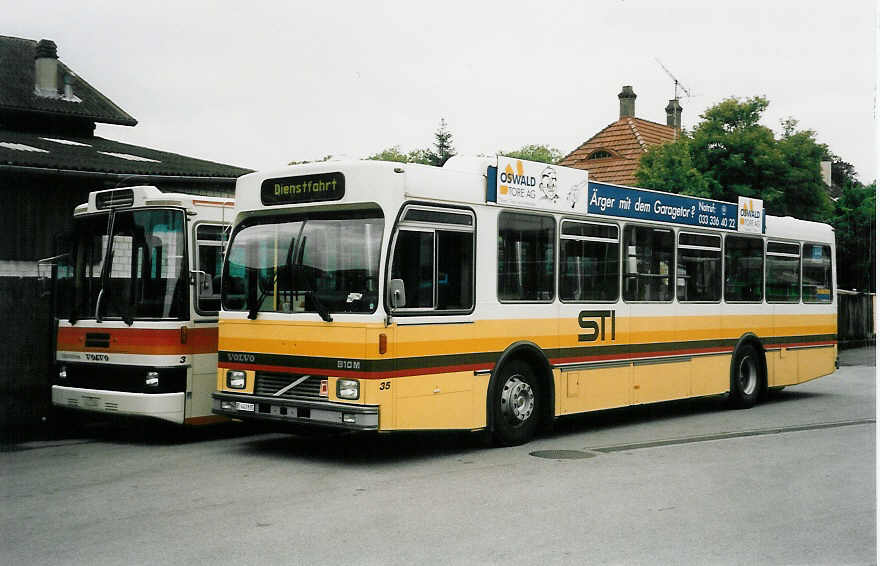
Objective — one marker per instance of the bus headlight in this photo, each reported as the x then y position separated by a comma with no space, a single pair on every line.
236,379
348,388
152,379
62,372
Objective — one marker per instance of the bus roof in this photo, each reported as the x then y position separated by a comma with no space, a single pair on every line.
146,195
472,181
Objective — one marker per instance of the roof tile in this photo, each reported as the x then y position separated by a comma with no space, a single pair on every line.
627,138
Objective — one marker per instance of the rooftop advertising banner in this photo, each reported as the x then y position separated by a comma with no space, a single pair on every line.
640,204
540,185
751,215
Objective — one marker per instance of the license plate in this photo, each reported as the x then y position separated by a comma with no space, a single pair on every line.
91,402
244,406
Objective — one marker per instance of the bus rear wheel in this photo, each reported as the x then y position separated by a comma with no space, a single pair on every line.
746,377
516,405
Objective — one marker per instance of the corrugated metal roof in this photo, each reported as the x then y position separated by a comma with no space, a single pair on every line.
100,155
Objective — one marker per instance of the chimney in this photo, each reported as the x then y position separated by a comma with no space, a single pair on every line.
46,69
627,102
673,114
825,169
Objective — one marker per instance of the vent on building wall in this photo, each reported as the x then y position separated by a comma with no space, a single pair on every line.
115,199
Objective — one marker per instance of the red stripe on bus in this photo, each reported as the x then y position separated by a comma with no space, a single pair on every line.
141,340
656,355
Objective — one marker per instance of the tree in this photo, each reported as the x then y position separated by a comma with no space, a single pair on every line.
393,153
325,158
436,156
668,167
443,148
729,154
856,232
540,153
843,174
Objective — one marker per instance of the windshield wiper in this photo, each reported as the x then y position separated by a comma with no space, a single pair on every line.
320,307
294,262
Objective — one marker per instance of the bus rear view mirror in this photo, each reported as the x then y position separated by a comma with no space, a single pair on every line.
47,271
398,293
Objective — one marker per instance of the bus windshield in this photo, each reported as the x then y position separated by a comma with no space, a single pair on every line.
146,276
308,263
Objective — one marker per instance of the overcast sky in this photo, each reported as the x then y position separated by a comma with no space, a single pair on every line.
258,84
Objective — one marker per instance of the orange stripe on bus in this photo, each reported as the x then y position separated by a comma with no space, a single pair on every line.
141,340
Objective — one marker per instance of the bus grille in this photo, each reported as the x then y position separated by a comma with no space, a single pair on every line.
130,379
97,340
269,384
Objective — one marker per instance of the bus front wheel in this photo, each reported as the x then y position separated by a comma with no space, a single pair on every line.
746,377
515,404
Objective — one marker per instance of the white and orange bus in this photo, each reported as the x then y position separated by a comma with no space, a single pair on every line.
137,301
499,294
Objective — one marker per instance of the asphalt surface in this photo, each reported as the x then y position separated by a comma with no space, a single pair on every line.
791,481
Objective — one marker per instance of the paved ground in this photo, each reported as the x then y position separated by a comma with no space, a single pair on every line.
788,482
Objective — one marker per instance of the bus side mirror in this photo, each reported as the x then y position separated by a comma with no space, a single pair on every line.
198,277
398,293
47,271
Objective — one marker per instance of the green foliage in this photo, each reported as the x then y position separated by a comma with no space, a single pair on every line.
668,167
729,154
393,153
443,148
856,232
843,174
325,158
540,153
436,156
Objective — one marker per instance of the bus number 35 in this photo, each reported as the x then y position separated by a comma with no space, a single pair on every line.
384,385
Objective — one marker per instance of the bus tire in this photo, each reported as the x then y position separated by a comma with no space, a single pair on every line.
746,377
516,404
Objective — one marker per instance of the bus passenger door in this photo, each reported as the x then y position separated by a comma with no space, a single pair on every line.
432,281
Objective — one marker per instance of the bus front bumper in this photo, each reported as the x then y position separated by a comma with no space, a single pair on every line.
299,411
163,406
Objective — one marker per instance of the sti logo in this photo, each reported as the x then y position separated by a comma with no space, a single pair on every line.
586,320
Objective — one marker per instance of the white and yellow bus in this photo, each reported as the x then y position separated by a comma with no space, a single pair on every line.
498,294
137,301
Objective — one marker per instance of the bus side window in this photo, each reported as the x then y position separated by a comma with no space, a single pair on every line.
698,272
743,269
526,257
648,266
209,245
414,264
434,257
783,273
588,262
817,284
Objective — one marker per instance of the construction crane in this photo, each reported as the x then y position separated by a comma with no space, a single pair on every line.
678,84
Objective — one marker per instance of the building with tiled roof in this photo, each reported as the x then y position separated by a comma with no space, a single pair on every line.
612,155
50,159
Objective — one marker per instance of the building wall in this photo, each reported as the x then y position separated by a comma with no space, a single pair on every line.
35,211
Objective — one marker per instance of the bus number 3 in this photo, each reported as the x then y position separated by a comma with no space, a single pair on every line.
597,330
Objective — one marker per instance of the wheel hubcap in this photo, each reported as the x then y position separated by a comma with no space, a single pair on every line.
517,400
748,375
